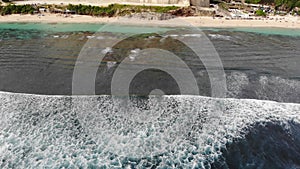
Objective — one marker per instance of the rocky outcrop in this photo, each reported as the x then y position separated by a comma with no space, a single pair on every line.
151,16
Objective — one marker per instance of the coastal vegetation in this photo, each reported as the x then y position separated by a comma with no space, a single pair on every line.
117,9
110,11
260,13
255,7
286,5
17,9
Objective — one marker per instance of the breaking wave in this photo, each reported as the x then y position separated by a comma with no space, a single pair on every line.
39,131
262,87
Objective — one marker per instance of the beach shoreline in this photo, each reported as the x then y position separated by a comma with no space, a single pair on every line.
92,2
197,21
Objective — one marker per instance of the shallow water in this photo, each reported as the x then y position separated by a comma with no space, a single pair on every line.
73,27
263,30
40,58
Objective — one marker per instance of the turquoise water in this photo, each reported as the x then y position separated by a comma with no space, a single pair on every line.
51,27
72,27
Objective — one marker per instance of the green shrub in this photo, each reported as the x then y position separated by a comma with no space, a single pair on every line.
260,13
224,6
297,4
17,9
253,1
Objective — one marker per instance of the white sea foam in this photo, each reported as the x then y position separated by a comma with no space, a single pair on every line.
238,81
182,35
106,50
192,35
64,36
110,64
84,131
218,36
133,54
151,37
279,88
90,37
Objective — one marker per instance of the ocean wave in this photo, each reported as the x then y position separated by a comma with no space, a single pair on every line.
91,131
263,87
273,145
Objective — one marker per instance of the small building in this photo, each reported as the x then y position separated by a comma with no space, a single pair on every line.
55,10
67,11
42,10
200,3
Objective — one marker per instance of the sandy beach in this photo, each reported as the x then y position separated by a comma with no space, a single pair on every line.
91,2
278,22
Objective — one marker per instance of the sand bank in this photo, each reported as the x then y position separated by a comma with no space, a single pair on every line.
278,22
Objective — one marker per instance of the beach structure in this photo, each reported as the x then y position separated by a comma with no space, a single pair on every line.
200,3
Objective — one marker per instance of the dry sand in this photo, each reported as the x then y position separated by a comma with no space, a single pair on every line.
90,2
283,22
